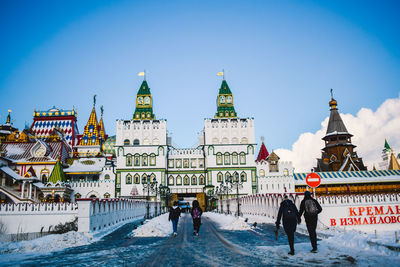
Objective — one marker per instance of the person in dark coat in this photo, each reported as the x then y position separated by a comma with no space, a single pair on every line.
196,213
174,214
291,218
311,208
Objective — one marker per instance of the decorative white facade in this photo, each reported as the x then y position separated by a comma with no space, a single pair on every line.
279,181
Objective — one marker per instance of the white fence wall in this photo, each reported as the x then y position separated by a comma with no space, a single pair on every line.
35,218
97,215
361,212
93,215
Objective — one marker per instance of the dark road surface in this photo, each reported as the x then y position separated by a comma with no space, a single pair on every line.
213,247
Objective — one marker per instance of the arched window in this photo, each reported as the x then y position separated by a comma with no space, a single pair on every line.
126,142
225,140
152,177
129,160
234,158
242,158
178,180
186,180
244,140
91,128
128,179
94,138
285,172
107,195
262,173
235,140
243,177
137,178
44,178
220,177
107,176
137,160
146,142
210,150
250,150
145,159
227,177
219,158
202,180
85,139
215,140
136,142
152,159
160,150
170,180
144,178
227,158
194,180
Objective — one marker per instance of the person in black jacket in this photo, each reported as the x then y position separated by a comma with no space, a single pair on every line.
174,214
196,216
291,217
311,209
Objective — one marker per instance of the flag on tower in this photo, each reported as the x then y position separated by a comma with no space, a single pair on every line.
141,73
221,73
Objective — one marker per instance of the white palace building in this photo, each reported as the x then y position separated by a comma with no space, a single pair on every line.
226,151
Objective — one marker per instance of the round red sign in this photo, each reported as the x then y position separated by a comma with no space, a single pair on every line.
313,179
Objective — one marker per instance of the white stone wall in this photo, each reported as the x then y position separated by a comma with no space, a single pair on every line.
35,218
230,137
275,182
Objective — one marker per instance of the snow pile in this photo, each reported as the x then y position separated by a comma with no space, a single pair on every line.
228,222
158,226
48,243
14,150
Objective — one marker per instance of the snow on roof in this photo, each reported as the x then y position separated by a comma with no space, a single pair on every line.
86,165
10,172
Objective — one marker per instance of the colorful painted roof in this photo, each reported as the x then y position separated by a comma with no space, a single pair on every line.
54,112
263,154
44,123
90,136
351,177
85,165
24,152
57,175
393,164
108,146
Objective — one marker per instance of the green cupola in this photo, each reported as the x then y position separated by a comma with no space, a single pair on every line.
225,108
144,103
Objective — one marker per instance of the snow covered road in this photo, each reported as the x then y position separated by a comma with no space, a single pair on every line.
223,241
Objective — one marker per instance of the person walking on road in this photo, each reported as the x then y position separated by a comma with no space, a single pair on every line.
311,209
291,218
174,214
196,216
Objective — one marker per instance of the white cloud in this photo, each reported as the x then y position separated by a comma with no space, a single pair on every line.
368,127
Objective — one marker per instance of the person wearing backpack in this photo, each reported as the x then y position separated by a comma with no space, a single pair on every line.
174,214
290,217
311,208
196,216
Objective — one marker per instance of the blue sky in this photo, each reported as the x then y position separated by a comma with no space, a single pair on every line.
281,58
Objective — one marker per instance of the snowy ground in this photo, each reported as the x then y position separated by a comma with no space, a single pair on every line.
223,241
158,226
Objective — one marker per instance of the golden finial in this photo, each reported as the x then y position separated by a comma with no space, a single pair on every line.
333,102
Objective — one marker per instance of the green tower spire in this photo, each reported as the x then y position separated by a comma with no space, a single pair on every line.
225,108
144,103
57,175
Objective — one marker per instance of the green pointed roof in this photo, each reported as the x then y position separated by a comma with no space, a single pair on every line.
57,175
387,147
144,89
225,108
144,103
224,90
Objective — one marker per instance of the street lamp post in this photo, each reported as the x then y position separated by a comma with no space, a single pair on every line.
150,186
238,183
209,191
164,192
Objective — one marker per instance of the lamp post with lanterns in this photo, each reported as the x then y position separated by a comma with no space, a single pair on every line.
150,187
